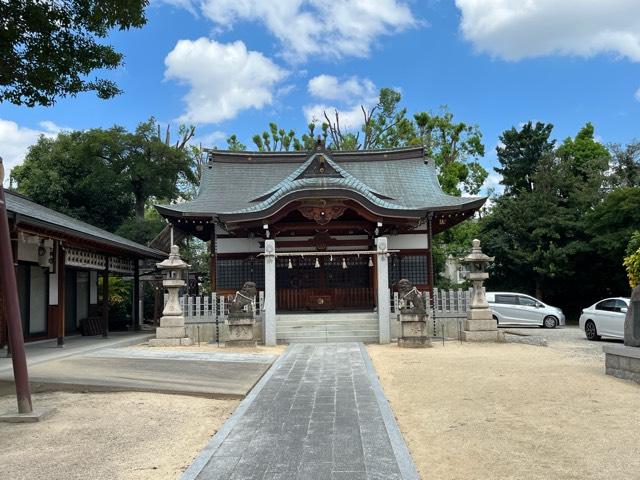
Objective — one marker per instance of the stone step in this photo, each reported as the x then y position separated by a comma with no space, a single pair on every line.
329,324
369,339
328,333
323,328
327,316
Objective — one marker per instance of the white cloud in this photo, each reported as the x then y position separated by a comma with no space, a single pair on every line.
16,140
328,87
341,28
637,95
351,93
516,29
224,79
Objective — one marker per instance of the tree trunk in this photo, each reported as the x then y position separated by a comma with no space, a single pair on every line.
539,289
139,208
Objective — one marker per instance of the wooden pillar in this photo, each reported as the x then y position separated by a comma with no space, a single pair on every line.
213,259
61,293
430,256
4,325
105,298
136,296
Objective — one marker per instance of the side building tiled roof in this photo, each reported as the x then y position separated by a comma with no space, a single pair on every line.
242,182
35,214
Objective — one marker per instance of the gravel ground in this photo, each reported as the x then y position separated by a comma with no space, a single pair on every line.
124,436
511,411
569,340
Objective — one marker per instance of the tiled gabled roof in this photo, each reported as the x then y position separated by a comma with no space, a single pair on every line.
33,213
398,179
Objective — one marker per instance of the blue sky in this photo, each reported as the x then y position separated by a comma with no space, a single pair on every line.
231,66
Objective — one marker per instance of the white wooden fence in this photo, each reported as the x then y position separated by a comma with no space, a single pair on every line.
206,308
446,303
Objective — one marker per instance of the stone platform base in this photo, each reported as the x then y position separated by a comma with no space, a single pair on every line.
481,336
241,343
170,342
622,361
414,342
35,416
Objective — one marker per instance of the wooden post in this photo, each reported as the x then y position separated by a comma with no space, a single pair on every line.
9,287
136,296
61,293
105,298
430,254
213,259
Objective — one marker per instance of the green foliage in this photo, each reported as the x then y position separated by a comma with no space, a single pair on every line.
142,231
49,48
65,174
151,166
537,229
455,147
612,222
520,153
632,260
625,165
99,175
235,145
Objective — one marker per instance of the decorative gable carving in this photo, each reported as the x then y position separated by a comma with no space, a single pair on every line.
319,167
322,211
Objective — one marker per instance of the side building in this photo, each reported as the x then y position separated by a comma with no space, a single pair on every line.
58,261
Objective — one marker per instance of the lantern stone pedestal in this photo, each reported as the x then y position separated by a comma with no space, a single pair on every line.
623,361
240,330
413,331
171,332
413,314
480,326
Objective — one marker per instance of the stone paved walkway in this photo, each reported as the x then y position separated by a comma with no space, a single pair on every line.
318,414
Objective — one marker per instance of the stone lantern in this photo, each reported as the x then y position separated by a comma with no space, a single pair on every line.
171,331
480,325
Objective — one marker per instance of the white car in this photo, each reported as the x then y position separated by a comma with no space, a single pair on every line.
605,318
511,308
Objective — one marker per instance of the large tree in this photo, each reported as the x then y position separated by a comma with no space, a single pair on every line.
537,230
49,48
519,153
65,174
625,165
456,147
102,176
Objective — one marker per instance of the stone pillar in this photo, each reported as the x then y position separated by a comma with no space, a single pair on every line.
269,323
384,307
171,331
480,326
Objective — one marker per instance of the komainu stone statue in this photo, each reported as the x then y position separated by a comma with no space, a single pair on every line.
244,299
411,300
412,317
632,320
241,317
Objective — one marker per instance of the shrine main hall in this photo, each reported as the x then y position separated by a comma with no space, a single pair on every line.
320,230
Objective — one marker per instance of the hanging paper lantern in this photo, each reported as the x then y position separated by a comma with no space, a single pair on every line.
290,266
317,263
370,262
344,263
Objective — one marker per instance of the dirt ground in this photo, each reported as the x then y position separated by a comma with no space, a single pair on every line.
124,436
506,411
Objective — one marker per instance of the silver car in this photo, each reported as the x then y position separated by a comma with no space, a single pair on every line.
605,318
511,308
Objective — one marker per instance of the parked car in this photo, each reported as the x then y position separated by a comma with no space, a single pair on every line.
605,318
511,308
